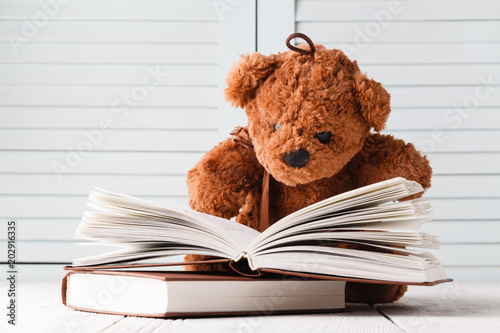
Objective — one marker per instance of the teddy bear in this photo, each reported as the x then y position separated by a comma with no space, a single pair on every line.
313,132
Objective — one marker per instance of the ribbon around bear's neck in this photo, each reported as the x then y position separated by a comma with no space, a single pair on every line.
242,137
312,49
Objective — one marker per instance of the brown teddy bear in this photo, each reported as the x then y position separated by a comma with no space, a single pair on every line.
310,111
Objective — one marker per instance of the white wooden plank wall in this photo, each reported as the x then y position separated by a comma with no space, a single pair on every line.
63,77
440,62
151,70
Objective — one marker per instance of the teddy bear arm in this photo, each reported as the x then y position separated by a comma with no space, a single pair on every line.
384,157
219,185
221,180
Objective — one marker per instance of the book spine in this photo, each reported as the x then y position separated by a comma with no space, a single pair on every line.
64,288
242,267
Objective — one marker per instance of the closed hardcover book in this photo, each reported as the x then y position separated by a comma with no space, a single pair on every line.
195,294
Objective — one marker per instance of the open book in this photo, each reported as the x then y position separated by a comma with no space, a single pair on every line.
304,243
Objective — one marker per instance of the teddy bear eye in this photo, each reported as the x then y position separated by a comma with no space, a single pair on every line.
277,127
324,136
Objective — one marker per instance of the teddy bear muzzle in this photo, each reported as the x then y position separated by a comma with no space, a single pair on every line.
297,159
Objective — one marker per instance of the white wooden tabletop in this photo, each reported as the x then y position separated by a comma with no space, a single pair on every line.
454,307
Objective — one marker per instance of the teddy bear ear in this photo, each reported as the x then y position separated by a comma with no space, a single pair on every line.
374,100
246,76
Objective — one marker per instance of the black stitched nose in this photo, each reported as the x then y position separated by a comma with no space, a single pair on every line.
324,137
297,159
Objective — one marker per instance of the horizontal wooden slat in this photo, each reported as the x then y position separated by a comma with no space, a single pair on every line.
442,74
113,163
485,186
118,140
459,306
42,206
55,251
108,10
465,273
407,10
46,273
89,117
451,141
110,53
411,97
465,163
444,118
402,32
83,184
438,141
47,229
466,209
444,96
464,231
56,74
62,206
118,31
468,255
107,96
424,53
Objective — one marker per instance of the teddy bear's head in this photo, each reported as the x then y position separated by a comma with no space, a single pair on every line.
309,109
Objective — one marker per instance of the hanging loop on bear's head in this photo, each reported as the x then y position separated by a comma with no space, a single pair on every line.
296,49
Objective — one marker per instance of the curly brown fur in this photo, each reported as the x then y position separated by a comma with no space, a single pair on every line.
305,95
218,267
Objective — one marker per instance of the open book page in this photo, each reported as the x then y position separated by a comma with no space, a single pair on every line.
308,241
140,252
353,207
412,239
352,263
146,229
387,219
